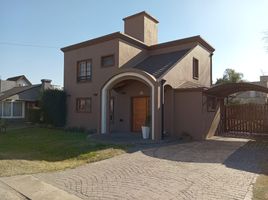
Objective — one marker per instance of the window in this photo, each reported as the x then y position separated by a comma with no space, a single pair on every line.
107,61
12,109
6,109
83,105
17,109
84,70
112,110
195,68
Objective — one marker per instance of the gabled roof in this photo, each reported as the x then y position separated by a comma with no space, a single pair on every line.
118,35
16,78
16,90
157,65
105,38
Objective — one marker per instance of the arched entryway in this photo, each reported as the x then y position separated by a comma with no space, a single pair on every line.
118,97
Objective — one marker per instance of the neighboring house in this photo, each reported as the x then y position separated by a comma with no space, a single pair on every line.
17,95
115,81
254,96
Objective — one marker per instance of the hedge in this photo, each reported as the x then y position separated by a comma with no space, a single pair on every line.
53,107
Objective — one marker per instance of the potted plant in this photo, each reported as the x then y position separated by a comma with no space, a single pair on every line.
146,128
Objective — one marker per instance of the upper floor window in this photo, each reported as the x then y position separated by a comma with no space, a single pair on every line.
107,61
84,70
83,105
195,68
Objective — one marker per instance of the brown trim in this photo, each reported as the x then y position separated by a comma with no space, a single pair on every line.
117,35
210,56
105,38
106,56
198,39
77,71
142,13
131,111
83,98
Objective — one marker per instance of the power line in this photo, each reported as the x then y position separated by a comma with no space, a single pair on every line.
28,45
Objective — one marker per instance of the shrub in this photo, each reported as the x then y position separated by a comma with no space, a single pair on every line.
34,115
53,106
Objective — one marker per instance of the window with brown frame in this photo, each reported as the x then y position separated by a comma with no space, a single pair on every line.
83,105
107,61
195,69
84,70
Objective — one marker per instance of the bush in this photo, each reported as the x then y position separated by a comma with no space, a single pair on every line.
53,106
34,115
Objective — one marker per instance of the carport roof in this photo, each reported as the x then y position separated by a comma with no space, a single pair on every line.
226,89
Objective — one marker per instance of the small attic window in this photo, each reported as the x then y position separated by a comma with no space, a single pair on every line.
195,69
107,61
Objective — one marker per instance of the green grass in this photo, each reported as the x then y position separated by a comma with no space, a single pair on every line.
33,150
260,189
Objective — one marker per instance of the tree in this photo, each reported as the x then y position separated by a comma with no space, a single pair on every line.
230,76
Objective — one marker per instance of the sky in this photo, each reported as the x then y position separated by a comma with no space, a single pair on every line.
33,31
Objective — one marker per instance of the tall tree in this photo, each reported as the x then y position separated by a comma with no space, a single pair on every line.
230,76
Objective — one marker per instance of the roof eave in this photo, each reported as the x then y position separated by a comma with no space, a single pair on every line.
195,39
105,38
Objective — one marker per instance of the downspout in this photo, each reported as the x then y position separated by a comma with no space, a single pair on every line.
211,68
162,95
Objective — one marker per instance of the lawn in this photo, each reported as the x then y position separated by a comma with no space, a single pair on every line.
260,189
33,150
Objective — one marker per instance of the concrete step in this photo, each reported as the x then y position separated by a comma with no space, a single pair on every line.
34,189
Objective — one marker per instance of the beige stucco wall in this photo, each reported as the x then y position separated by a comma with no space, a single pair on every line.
183,71
100,76
171,48
142,28
150,31
191,115
129,54
134,27
87,89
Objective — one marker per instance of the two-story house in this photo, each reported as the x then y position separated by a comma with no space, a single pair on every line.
116,81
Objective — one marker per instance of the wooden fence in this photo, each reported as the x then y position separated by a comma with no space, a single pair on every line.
250,118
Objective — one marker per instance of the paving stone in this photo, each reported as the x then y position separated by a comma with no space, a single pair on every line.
215,169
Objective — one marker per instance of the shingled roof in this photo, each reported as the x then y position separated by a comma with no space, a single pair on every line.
16,90
157,65
16,78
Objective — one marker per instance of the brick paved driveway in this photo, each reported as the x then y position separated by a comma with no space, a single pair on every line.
214,169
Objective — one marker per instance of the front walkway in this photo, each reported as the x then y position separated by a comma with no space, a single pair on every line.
221,168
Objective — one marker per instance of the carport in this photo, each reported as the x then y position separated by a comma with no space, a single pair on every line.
237,120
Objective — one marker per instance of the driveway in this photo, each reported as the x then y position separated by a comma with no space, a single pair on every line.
221,168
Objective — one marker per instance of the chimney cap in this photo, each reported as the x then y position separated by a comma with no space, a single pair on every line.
46,80
142,13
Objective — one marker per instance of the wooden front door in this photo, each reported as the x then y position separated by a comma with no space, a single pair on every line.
140,109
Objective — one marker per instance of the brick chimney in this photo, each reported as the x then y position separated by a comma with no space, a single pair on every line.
143,27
